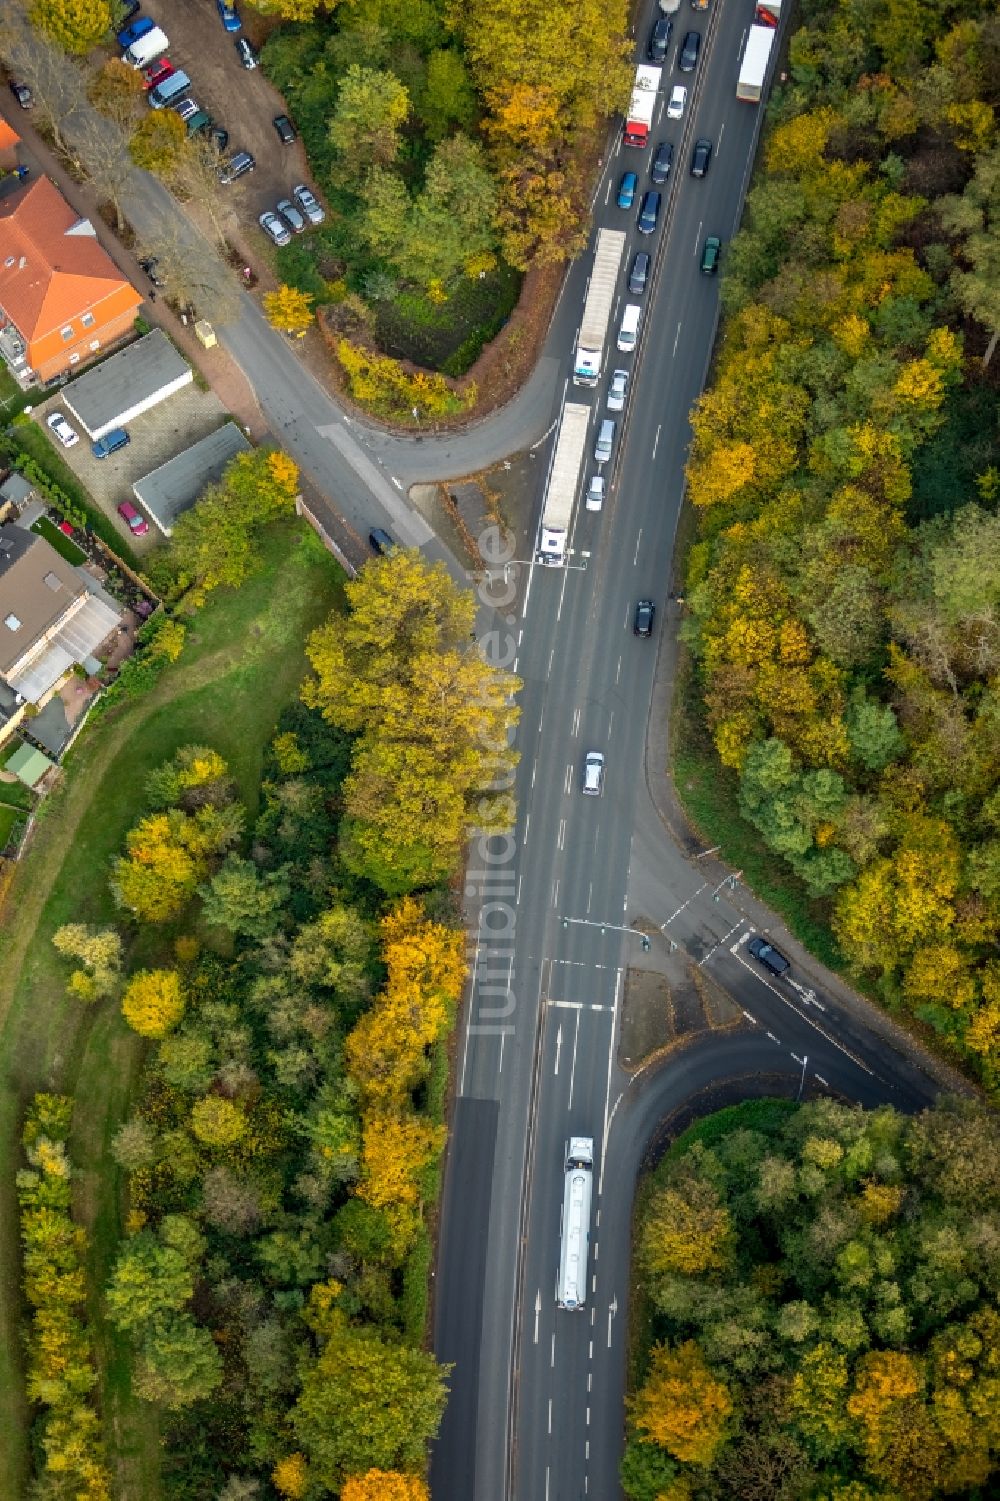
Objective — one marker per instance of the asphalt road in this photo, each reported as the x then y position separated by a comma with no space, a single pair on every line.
537,1406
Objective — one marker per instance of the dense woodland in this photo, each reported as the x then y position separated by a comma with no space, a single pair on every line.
844,585
282,1158
820,1295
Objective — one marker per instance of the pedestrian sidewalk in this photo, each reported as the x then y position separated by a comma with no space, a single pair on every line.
217,368
667,805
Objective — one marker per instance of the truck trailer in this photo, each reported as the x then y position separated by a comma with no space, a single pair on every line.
597,308
150,45
642,105
563,484
577,1190
757,53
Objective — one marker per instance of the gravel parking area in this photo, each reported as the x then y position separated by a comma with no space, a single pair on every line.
241,100
156,436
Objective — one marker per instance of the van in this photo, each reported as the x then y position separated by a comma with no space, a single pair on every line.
628,334
153,43
200,120
110,443
605,440
171,88
236,166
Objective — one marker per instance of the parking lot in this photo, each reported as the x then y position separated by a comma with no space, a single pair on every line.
166,429
242,100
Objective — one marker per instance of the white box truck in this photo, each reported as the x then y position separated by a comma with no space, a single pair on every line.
757,52
562,484
148,47
597,308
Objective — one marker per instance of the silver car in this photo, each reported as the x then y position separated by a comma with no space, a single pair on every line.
617,388
309,204
291,215
273,228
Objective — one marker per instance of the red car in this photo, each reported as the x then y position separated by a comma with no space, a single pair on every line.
157,72
137,525
66,528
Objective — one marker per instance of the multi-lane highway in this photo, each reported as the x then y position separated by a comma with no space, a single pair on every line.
536,1411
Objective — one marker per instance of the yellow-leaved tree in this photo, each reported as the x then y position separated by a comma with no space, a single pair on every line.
288,309
384,1485
682,1406
153,1002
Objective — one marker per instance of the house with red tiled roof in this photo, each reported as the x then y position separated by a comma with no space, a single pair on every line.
62,298
9,142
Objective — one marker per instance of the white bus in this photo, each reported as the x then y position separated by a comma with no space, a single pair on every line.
572,1290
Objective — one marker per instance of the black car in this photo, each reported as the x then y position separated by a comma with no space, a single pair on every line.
649,213
22,94
639,274
645,610
380,541
690,48
771,958
219,137
700,157
246,54
286,130
663,160
659,40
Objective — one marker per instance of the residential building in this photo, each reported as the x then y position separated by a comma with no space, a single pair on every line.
62,298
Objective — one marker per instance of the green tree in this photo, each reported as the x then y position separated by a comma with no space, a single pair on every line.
452,218
371,107
974,216
150,1281
242,900
365,1404
447,99
178,1363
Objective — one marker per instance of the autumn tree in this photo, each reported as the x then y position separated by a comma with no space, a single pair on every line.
159,141
153,1002
117,92
681,1405
213,543
75,25
433,757
218,1122
289,310
100,953
167,854
381,1485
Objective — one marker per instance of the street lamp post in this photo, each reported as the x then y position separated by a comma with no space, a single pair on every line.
585,922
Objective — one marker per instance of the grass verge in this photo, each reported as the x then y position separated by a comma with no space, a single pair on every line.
243,662
64,546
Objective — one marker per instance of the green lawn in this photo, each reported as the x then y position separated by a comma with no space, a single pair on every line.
243,661
64,546
12,398
29,437
8,818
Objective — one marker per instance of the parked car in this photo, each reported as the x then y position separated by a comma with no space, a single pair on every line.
627,189
131,34
228,16
379,540
291,215
273,227
663,160
690,47
111,442
236,166
649,213
309,204
22,94
246,54
137,525
699,4
617,390
198,122
593,774
157,72
771,958
645,611
710,255
286,130
605,441
701,156
219,137
639,274
595,493
659,40
57,423
185,107
677,102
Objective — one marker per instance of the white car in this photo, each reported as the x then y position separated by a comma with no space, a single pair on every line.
58,424
678,102
617,388
593,774
595,492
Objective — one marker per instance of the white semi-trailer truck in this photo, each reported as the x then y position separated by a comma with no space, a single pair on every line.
597,308
572,1291
563,484
757,53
